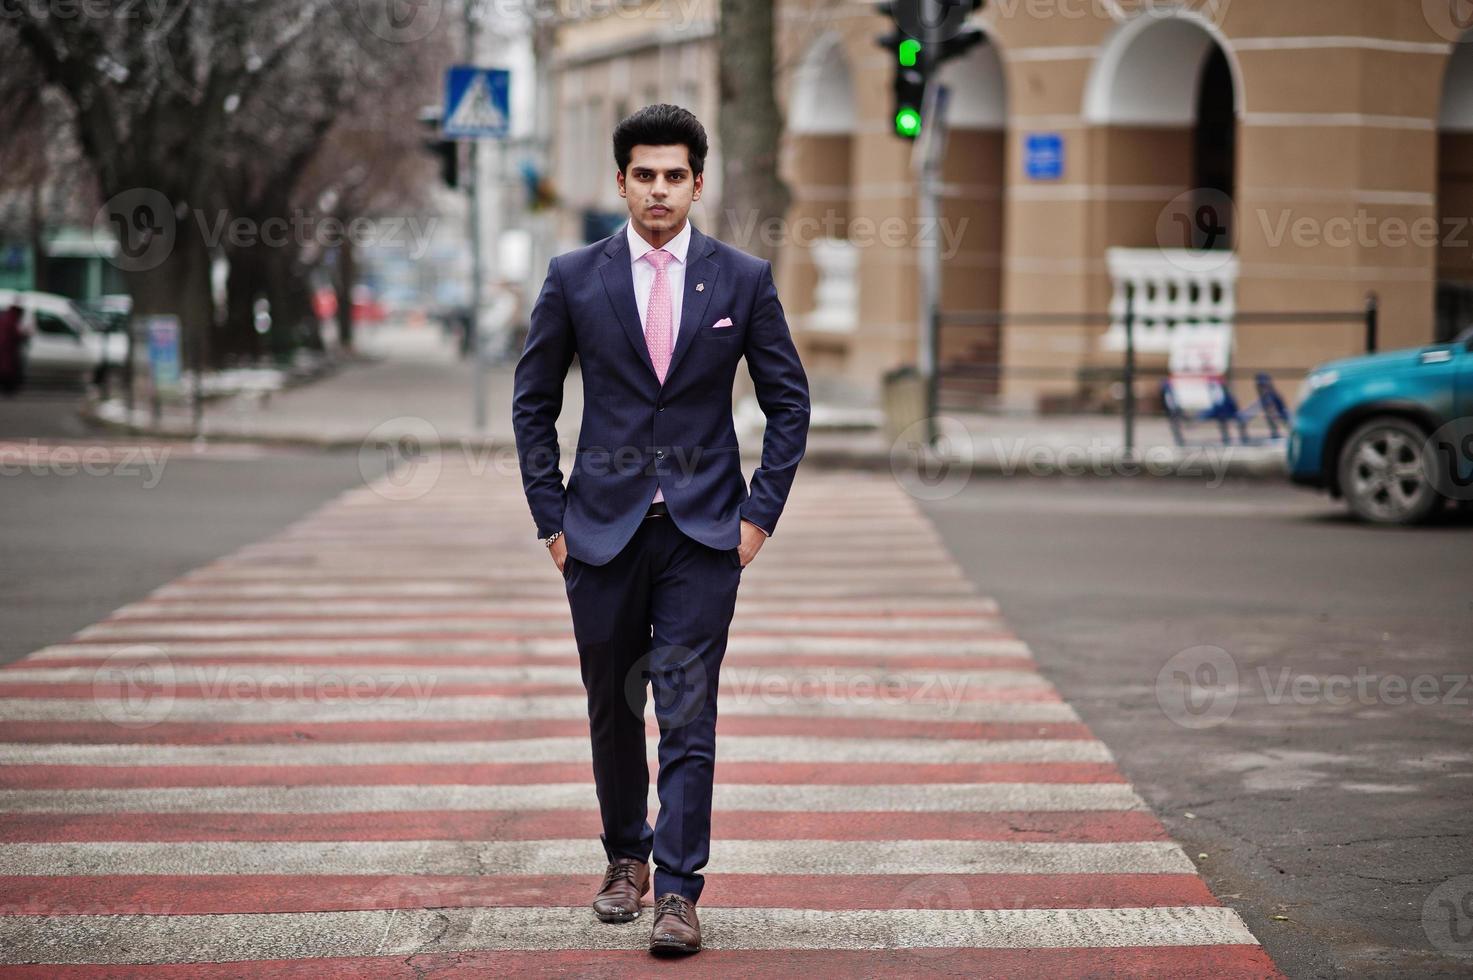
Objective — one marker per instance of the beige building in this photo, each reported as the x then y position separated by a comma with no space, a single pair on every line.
1213,158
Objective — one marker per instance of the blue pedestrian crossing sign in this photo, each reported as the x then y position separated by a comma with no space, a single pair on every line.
476,102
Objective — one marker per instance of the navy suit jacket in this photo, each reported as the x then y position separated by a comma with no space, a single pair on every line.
636,433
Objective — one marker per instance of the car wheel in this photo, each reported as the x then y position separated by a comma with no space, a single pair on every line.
1387,473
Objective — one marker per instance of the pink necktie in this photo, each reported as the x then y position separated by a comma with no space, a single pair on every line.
657,327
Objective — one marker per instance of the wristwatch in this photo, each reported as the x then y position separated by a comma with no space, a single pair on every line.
547,541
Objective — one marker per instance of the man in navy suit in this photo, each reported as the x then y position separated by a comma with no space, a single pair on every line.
656,522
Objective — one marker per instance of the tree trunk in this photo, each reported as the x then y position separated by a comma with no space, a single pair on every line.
347,273
247,280
750,128
38,232
179,285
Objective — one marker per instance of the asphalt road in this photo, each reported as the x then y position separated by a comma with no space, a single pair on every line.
1328,784
80,544
1329,791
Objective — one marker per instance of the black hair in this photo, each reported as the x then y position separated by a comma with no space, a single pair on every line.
661,124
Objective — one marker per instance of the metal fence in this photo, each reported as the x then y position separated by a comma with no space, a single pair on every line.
958,379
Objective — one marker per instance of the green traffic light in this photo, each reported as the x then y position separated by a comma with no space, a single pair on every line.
909,48
907,122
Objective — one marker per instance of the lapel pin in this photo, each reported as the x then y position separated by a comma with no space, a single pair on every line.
700,286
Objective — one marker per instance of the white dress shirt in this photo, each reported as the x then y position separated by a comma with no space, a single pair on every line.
644,274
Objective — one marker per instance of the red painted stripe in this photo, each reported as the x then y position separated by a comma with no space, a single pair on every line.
365,687
525,634
1177,962
227,733
890,662
222,894
1087,827
522,773
493,616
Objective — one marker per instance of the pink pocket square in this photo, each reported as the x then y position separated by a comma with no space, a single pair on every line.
723,322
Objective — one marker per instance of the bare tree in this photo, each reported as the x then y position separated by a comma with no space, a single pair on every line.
750,127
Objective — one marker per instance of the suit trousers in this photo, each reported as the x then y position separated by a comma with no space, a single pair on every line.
653,622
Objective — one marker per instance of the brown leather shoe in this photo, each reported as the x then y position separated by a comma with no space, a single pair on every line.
676,928
624,882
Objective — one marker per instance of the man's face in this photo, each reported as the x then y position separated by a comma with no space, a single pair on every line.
660,189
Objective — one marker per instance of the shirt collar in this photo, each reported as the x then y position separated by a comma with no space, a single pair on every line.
677,246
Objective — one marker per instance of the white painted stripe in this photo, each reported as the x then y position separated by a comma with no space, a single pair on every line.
244,628
489,602
125,619
122,939
744,680
409,595
1353,119
550,857
732,748
903,798
746,646
505,708
1329,41
1093,192
1082,52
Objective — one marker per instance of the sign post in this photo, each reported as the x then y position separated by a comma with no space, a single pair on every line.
477,107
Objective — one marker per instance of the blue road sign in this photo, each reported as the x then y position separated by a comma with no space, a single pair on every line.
1043,156
476,103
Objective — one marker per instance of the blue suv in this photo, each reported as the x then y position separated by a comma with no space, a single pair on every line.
1392,433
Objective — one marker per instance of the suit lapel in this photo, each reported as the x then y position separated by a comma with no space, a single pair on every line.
618,280
700,270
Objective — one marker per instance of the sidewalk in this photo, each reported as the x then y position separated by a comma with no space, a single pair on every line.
360,748
419,387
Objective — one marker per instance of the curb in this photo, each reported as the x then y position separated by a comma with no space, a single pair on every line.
1156,463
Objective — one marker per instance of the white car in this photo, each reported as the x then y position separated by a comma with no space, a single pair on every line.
63,342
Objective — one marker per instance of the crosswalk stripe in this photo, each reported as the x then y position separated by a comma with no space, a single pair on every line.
523,857
188,938
498,708
972,797
734,748
360,748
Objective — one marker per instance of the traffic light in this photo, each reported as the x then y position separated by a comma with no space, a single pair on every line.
446,151
913,64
